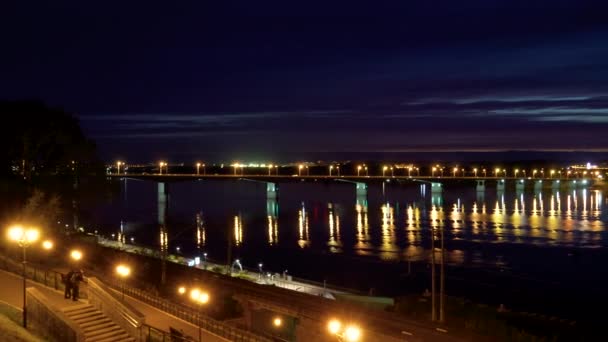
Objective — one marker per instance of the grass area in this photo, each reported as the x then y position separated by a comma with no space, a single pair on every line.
10,326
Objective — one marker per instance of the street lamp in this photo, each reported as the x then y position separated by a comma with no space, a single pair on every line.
160,167
454,172
409,171
200,298
123,272
358,170
534,173
552,172
23,237
118,163
515,172
331,167
484,173
433,171
47,244
198,166
350,333
475,172
76,255
260,268
384,170
300,167
496,171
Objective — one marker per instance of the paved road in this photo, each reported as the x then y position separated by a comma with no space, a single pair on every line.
11,292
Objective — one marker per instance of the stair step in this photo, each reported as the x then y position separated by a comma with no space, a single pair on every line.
103,333
78,315
101,325
95,323
77,308
120,335
90,318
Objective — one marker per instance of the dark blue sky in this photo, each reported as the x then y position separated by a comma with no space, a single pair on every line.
292,79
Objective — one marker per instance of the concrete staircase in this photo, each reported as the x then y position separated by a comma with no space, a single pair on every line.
97,327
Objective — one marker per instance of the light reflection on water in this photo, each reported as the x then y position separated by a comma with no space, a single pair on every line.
392,227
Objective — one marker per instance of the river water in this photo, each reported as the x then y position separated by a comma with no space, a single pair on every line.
495,242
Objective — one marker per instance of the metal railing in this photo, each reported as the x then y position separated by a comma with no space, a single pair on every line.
119,311
191,315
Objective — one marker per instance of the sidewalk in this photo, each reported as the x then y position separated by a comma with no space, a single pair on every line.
265,278
11,292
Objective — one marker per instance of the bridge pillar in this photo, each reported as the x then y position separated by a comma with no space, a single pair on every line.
272,190
481,185
555,184
520,185
436,188
538,185
163,202
163,211
500,185
361,189
437,198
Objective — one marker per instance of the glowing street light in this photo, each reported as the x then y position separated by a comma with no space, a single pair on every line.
198,166
277,322
200,298
384,170
350,333
475,172
433,171
409,171
534,173
552,172
496,171
47,244
454,172
76,255
359,170
23,237
515,172
123,272
300,167
160,167
484,173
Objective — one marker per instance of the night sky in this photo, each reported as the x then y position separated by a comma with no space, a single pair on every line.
282,80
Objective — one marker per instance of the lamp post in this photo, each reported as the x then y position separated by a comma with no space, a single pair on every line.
384,168
123,272
433,171
454,172
200,298
475,172
118,163
198,167
350,333
160,167
359,170
23,237
516,172
331,167
260,265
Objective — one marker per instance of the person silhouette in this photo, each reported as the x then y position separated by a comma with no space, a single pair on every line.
68,285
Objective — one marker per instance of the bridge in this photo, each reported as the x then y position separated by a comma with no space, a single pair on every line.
436,183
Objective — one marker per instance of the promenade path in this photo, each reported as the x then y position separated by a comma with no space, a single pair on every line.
11,292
